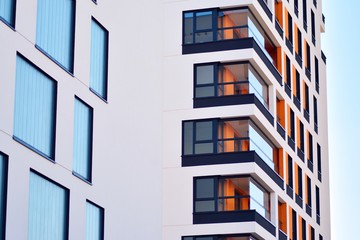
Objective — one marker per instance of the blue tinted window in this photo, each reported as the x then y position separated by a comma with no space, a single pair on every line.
98,59
7,11
3,192
94,222
55,30
48,210
82,155
35,106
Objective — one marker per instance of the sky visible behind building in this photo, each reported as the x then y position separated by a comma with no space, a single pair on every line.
340,45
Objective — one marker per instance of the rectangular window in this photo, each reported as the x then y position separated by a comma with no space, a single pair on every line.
48,209
310,148
292,125
311,233
3,193
298,49
218,136
55,31
297,86
299,184
313,29
35,108
282,217
308,58
82,152
217,80
296,7
306,96
317,194
294,225
94,221
301,136
236,193
315,115
287,76
319,161
7,11
308,191
290,171
99,59
305,15
317,78
289,36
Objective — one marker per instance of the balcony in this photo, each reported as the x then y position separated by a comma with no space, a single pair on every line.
225,199
218,84
220,30
216,141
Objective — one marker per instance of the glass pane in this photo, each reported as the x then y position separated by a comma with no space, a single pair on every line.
203,20
55,30
204,131
205,188
188,28
7,12
94,222
201,148
82,145
34,115
98,59
204,92
205,206
48,210
261,146
188,138
3,184
258,87
204,37
205,74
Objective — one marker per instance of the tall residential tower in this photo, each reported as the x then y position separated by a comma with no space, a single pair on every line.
163,119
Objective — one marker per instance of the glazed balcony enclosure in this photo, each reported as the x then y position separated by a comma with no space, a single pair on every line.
219,199
231,29
218,141
221,84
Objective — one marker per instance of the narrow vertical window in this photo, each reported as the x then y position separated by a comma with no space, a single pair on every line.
317,192
3,193
317,83
48,209
296,7
94,222
83,126
319,161
308,191
313,29
35,107
315,115
290,171
99,59
7,11
305,15
55,30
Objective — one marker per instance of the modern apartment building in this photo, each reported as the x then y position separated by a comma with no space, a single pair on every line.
163,119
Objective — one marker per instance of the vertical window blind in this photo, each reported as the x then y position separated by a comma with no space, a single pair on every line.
94,222
35,107
7,11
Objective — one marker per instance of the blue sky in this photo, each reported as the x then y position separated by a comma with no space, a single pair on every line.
340,44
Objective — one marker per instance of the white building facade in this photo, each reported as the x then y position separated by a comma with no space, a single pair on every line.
174,120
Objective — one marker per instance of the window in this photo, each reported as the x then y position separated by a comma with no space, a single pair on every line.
290,171
7,12
296,7
94,222
293,233
310,149
297,88
298,181
221,237
214,25
287,76
99,59
217,80
313,29
315,115
3,193
35,108
317,79
306,96
301,142
83,124
302,228
225,194
289,35
292,125
55,31
305,15
282,224
308,60
48,209
317,194
319,161
298,49
311,233
218,136
308,191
